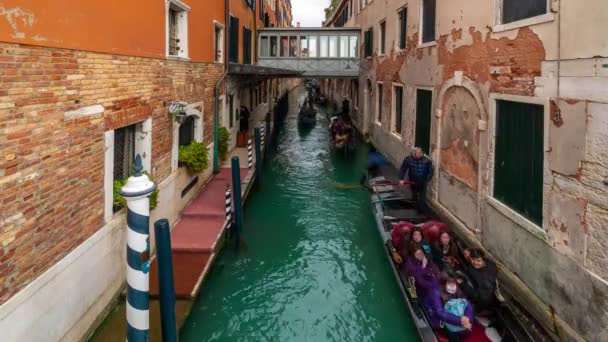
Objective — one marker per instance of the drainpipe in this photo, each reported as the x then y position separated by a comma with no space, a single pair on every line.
216,90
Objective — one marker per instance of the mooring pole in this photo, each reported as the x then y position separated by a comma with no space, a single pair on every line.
268,125
249,154
263,135
258,155
238,209
166,286
136,193
228,208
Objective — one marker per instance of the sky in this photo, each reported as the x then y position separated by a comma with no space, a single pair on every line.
308,12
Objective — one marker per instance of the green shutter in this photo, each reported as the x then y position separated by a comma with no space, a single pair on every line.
246,46
234,40
518,164
424,101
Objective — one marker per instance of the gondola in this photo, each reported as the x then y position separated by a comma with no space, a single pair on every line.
389,207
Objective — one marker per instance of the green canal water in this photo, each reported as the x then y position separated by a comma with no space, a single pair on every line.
313,268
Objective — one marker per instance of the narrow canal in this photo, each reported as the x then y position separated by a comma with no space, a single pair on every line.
313,268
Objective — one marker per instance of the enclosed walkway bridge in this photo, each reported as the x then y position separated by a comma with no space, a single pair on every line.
314,52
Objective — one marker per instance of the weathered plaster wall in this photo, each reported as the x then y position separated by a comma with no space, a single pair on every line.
472,59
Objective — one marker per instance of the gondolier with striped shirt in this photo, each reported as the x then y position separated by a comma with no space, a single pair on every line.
419,169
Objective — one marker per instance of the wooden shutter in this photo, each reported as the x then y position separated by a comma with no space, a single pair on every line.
518,161
234,40
403,28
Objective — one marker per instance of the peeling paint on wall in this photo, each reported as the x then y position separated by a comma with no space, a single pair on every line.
17,18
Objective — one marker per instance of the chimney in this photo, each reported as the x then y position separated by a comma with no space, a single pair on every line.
298,24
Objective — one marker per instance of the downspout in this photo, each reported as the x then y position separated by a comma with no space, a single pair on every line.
216,90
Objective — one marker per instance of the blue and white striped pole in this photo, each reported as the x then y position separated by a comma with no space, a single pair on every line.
249,154
136,192
228,207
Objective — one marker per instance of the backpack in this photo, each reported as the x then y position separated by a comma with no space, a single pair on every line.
456,307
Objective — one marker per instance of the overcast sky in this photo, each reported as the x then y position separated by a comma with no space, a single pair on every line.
308,12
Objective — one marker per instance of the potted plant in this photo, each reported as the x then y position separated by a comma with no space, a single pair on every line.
120,202
224,139
194,156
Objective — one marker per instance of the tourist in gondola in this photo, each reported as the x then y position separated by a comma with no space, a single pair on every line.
421,267
480,287
419,169
400,239
444,252
417,240
449,309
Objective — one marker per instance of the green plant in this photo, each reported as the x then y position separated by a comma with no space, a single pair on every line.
194,156
224,138
121,202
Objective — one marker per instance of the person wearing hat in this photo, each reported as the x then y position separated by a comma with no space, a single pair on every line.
419,169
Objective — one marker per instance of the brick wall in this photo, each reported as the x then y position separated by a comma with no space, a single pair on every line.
52,167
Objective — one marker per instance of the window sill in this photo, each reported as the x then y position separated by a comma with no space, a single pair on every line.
540,19
178,58
514,216
378,123
397,136
427,44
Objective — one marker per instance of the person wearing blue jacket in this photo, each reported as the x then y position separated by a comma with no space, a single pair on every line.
419,169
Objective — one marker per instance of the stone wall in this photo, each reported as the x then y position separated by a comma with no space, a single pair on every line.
55,106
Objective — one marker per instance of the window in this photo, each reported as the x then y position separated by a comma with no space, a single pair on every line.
186,131
303,46
428,21
262,16
424,102
379,101
397,109
514,10
284,46
264,46
403,28
230,116
218,42
246,45
343,46
382,37
354,46
273,46
177,29
293,46
369,42
234,40
333,46
518,164
312,46
124,154
324,42
354,89
251,4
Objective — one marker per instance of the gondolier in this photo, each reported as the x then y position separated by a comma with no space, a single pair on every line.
419,169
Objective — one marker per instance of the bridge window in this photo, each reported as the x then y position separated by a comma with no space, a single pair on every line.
303,46
324,46
428,21
333,46
284,46
343,46
312,46
293,46
273,46
264,46
354,46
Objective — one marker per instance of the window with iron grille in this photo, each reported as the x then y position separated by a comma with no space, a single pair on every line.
369,42
428,21
234,40
518,164
124,154
382,37
402,28
186,131
514,10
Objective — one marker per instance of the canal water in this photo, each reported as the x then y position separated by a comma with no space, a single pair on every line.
313,268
